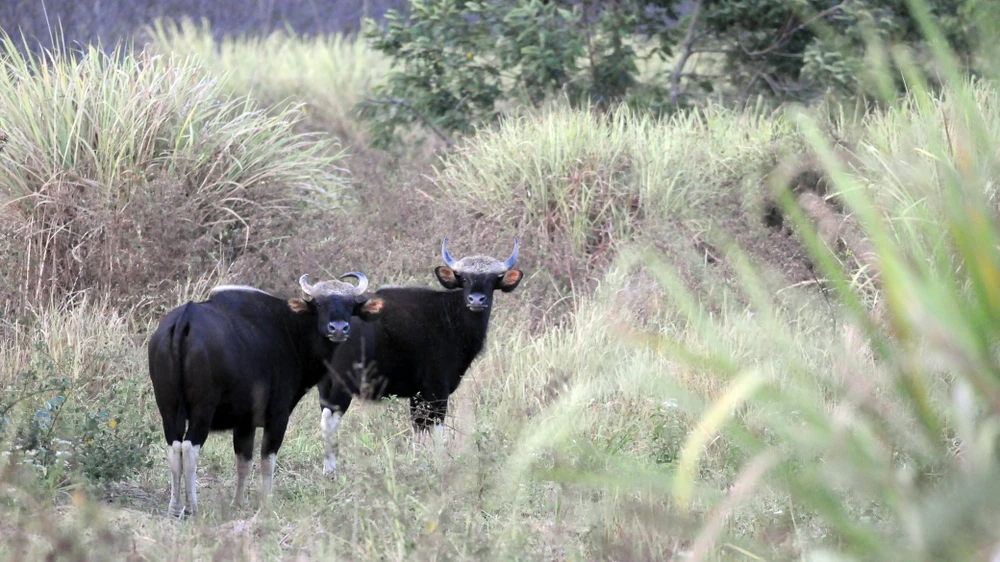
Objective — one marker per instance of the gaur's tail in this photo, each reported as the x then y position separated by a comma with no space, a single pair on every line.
177,336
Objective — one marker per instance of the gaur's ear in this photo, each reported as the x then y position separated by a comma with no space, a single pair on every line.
370,309
447,277
298,305
509,280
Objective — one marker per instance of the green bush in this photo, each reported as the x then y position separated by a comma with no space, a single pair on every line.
458,65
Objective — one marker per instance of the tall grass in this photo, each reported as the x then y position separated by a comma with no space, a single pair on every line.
101,144
782,425
593,179
789,424
65,408
329,75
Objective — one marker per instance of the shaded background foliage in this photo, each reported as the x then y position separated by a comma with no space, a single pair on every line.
526,50
461,65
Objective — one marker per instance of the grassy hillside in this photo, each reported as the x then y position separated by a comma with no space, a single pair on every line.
700,363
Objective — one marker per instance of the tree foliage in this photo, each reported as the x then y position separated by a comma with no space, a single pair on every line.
803,49
460,63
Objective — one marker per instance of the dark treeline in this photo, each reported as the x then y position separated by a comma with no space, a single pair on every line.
85,22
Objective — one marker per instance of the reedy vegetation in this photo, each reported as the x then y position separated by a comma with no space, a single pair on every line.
593,179
327,75
101,145
732,417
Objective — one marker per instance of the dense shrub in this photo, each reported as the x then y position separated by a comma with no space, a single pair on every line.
460,65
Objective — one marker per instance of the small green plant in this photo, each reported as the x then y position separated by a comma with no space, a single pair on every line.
57,432
113,447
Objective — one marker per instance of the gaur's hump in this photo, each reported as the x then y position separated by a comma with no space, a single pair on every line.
479,264
242,288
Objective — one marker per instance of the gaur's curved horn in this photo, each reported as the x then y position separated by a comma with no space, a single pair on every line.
513,256
306,287
362,281
448,260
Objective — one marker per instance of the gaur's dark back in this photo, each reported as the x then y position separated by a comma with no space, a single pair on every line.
238,332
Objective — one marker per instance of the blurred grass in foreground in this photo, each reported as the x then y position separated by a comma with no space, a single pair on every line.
879,423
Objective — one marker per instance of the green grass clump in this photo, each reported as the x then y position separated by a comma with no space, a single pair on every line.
593,179
329,75
111,155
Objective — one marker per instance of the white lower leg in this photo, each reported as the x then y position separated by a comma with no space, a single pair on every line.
267,473
419,439
189,456
242,471
425,436
329,424
174,460
437,440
